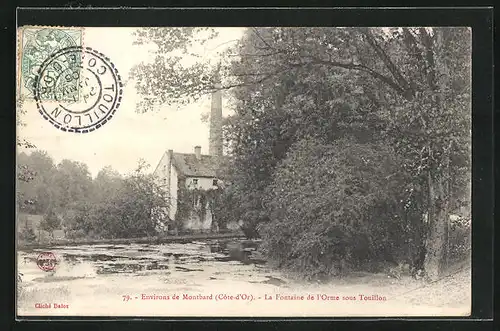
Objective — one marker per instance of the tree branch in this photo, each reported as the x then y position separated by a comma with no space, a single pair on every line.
429,56
256,55
363,68
401,81
258,81
411,44
257,33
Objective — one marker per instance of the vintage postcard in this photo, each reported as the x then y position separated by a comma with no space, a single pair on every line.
243,172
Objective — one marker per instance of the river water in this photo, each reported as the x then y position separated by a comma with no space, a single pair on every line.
204,279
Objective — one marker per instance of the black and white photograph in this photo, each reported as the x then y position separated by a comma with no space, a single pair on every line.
243,171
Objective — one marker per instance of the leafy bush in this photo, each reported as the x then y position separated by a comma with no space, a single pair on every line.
132,208
50,221
321,206
78,220
132,211
27,234
459,240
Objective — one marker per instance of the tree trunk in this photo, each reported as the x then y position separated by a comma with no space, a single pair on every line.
416,245
437,237
438,214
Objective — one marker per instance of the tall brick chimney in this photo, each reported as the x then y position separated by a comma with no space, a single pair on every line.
215,142
197,152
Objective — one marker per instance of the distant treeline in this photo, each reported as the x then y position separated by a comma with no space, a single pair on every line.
109,206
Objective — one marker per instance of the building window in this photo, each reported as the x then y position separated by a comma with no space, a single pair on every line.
214,183
195,181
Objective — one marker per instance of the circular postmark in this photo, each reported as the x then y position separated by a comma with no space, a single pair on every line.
46,261
77,89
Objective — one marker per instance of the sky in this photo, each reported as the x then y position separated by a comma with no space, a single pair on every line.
129,135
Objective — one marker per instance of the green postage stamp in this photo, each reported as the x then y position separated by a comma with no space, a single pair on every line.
37,44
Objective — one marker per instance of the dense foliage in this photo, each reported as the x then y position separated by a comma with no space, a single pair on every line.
197,203
108,206
347,146
335,226
312,107
50,221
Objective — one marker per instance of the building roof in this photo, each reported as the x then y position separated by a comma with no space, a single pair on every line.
189,165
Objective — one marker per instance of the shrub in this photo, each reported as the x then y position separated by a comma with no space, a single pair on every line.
133,208
27,234
50,221
321,206
459,240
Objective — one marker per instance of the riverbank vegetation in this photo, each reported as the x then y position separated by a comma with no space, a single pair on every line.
68,198
348,146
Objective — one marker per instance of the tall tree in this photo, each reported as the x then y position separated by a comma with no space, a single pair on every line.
410,84
72,183
107,181
134,209
35,193
50,221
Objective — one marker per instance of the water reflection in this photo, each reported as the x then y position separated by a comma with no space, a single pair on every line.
134,258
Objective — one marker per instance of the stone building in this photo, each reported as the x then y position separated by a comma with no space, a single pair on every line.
196,172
